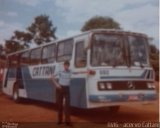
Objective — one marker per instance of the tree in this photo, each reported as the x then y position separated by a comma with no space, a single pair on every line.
20,40
42,30
13,46
2,52
100,22
1,49
24,38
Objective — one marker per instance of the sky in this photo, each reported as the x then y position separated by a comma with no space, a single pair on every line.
70,15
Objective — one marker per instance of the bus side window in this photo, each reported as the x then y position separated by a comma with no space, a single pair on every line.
35,57
13,61
65,49
81,56
48,54
13,64
25,58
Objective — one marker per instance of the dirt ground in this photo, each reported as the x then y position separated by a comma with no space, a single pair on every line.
33,111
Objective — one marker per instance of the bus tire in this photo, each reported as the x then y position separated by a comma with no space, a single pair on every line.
15,95
114,109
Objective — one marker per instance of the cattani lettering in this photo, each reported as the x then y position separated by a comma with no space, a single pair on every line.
43,71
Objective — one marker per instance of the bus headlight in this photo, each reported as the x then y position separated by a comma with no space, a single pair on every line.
153,86
109,85
102,86
150,86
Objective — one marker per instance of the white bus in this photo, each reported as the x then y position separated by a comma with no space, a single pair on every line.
118,64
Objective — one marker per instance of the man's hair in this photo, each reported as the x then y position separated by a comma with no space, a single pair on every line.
67,63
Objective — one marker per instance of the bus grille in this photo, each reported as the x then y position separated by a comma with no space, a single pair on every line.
124,85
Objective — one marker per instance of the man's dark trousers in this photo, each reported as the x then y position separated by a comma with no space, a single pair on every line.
63,94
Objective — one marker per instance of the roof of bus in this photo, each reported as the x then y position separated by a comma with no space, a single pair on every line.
117,31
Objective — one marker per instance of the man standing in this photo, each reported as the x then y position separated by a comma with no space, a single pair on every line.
63,94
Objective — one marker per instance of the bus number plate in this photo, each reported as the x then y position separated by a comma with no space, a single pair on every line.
133,98
104,72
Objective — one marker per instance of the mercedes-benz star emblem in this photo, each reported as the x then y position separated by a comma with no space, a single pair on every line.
130,85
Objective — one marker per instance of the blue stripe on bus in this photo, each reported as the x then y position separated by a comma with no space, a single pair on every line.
120,77
38,89
124,98
44,90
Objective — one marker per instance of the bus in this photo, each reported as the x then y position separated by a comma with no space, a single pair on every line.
116,61
2,65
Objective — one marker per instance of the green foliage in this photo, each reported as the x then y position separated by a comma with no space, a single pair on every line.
1,50
12,46
39,32
100,22
23,36
42,30
20,40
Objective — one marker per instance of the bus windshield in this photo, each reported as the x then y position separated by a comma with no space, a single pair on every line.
107,50
138,53
110,50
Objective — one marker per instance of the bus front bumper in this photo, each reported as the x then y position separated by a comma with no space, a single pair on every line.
122,98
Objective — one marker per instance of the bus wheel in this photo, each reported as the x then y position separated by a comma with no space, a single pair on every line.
16,95
114,109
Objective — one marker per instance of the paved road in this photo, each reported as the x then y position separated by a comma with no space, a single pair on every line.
33,111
